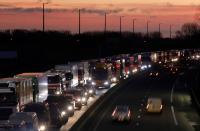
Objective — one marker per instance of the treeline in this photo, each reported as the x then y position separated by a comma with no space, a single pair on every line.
44,49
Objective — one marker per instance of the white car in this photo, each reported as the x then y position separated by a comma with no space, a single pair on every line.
154,105
121,114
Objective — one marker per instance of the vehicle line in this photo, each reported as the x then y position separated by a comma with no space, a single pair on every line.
174,117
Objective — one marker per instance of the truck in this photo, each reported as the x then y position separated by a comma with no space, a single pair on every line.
15,93
71,74
40,93
100,76
54,84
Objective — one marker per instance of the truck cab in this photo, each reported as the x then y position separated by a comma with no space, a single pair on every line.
54,84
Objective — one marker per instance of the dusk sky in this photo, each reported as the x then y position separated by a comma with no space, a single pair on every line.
63,15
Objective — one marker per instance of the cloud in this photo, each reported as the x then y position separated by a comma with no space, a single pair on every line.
51,10
132,10
168,4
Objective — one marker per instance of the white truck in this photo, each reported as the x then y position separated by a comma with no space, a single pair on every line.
15,93
40,91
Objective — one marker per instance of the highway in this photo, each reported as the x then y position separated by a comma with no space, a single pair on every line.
178,112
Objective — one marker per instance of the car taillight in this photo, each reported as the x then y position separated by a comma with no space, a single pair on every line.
129,113
113,113
147,106
161,107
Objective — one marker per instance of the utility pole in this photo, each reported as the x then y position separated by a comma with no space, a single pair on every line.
134,26
43,28
79,22
105,26
170,31
147,28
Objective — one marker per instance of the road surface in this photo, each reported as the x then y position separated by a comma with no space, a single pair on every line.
178,113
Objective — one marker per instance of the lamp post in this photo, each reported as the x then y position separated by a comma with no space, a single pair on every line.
134,25
79,22
105,22
148,28
120,24
43,16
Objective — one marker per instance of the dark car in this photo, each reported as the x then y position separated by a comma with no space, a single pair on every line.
78,96
56,115
42,112
64,104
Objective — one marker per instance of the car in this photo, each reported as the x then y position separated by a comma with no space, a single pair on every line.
154,74
42,112
64,104
78,96
121,113
30,119
154,105
77,99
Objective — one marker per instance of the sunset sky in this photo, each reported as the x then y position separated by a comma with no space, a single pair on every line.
63,15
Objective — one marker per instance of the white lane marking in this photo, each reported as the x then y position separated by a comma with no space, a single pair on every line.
172,93
174,117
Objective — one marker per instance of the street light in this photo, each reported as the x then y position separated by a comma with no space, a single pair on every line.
43,16
170,31
79,22
120,24
148,28
105,24
134,25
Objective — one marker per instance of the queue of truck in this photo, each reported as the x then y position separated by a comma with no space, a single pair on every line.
41,100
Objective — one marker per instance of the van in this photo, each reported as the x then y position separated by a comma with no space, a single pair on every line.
154,105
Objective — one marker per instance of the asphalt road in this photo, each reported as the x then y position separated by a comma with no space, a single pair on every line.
178,113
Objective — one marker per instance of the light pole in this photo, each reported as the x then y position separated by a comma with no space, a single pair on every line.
105,22
43,16
120,24
148,28
134,26
79,22
170,31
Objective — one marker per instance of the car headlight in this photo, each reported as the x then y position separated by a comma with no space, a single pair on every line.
78,99
114,79
106,83
42,128
63,113
89,78
93,83
69,108
90,91
57,92
83,99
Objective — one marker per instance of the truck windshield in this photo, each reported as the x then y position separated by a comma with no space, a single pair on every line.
100,74
8,99
53,79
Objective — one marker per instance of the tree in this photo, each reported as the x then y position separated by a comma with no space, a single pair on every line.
189,30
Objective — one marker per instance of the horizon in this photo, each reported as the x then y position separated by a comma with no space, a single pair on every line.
61,15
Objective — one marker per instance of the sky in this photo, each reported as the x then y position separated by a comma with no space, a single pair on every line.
63,14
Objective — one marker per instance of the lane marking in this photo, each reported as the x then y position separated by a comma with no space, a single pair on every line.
172,93
174,117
